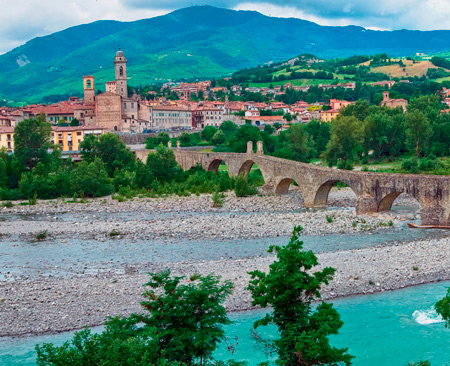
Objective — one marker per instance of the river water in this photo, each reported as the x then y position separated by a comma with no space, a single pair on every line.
389,328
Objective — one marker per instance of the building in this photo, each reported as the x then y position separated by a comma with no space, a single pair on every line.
203,116
393,103
163,116
7,138
328,116
69,138
114,109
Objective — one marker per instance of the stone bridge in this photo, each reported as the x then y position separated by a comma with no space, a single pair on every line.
375,192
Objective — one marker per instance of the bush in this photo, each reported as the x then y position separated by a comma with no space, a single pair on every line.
218,199
242,188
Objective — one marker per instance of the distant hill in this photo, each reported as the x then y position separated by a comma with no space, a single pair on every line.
195,42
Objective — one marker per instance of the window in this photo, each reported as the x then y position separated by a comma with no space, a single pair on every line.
60,142
8,137
132,105
89,84
79,133
124,105
121,71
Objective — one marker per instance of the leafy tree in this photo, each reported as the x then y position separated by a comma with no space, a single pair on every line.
228,128
31,142
347,136
110,149
188,318
291,288
293,144
163,138
218,138
418,132
238,142
183,326
91,179
185,139
269,129
320,134
243,188
74,122
163,166
208,132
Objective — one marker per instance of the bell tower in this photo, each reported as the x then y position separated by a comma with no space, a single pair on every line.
89,90
120,63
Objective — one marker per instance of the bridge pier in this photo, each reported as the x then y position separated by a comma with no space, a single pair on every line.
366,204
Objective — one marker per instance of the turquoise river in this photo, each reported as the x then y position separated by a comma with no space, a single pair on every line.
390,328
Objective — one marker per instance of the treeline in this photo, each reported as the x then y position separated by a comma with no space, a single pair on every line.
37,170
299,142
363,132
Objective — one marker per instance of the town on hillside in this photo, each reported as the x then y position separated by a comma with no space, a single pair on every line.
183,106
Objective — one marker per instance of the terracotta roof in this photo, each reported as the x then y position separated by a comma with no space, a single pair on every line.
76,128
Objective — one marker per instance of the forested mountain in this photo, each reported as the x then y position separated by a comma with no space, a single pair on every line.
195,42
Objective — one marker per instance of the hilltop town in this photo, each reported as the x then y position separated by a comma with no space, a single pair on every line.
196,105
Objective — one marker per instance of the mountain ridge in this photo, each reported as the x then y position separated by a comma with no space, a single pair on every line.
194,42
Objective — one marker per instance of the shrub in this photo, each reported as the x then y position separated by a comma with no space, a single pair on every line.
42,235
242,188
218,199
8,204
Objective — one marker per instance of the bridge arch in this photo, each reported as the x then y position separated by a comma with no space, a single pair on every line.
409,203
387,201
246,167
321,195
214,165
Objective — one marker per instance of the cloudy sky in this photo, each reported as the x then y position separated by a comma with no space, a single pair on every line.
23,20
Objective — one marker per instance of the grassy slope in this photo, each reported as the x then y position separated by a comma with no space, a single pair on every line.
411,69
192,42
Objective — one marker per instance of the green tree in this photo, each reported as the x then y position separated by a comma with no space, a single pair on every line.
269,129
91,179
291,288
31,142
218,138
228,128
163,166
346,138
188,318
185,139
245,133
293,144
163,138
74,122
208,132
110,149
418,132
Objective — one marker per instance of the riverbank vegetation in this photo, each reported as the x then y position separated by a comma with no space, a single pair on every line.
37,170
184,318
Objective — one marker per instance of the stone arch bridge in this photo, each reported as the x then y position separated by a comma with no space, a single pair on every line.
375,192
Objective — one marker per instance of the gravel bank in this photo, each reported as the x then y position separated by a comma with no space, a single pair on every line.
53,304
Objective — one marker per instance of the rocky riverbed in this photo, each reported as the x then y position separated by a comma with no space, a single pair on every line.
45,303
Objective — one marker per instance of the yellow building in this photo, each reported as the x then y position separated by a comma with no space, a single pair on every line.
69,138
328,116
7,138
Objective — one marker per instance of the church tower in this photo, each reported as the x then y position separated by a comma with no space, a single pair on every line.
120,63
89,90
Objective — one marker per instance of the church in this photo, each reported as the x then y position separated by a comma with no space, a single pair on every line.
114,109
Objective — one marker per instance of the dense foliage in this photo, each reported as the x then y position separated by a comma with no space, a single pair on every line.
182,325
290,288
108,166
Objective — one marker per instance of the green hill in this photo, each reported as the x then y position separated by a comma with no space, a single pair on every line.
195,42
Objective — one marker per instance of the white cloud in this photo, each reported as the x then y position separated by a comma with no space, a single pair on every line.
27,19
